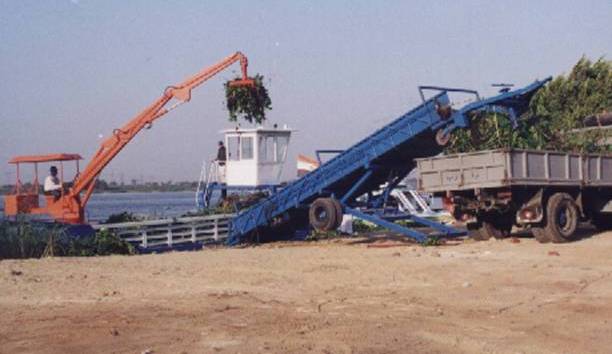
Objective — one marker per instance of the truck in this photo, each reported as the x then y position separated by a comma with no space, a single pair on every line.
548,192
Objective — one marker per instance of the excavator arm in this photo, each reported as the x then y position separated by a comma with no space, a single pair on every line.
180,93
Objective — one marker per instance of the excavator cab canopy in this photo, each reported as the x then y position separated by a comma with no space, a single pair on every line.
24,198
44,158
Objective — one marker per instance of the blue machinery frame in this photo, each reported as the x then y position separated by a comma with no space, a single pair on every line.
384,157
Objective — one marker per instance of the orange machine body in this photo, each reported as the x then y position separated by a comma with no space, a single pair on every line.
70,206
25,198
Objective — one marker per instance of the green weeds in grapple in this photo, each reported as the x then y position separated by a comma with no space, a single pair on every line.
248,102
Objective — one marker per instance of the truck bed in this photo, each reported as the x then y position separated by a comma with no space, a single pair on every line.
504,168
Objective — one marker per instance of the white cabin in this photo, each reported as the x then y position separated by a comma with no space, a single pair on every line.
255,156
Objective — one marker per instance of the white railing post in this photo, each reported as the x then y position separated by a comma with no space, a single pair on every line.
169,235
193,233
216,229
144,241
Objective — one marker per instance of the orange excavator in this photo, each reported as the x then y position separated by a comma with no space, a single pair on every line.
69,205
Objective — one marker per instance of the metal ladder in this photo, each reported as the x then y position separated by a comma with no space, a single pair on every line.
209,178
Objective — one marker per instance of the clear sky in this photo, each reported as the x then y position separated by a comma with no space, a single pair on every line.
72,71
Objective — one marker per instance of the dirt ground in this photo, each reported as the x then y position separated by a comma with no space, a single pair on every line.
338,296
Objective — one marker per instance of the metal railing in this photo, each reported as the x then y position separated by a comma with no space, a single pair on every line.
172,232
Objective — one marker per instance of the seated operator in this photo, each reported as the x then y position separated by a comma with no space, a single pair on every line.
52,184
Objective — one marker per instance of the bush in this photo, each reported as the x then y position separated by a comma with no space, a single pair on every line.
23,239
555,111
360,226
104,243
122,217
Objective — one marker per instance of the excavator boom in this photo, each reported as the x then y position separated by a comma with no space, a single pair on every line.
122,136
70,206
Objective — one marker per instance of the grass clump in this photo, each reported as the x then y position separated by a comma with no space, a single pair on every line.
22,239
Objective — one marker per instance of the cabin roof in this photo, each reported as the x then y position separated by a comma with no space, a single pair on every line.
45,158
258,130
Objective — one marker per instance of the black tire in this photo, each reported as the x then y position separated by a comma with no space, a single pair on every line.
602,221
492,229
540,235
495,224
476,235
562,218
339,211
323,215
442,138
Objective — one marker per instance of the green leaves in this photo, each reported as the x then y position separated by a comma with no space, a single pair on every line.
554,113
248,102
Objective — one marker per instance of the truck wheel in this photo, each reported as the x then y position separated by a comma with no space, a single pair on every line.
323,215
602,221
494,229
495,224
442,138
540,235
476,235
561,218
339,211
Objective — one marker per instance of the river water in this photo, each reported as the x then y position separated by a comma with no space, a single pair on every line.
155,204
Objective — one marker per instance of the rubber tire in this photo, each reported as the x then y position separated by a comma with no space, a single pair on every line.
339,211
556,203
602,221
476,235
489,229
323,215
540,235
441,138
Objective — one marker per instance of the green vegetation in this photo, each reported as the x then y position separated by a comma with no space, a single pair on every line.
103,186
360,226
322,235
554,112
432,241
122,217
248,102
22,239
104,243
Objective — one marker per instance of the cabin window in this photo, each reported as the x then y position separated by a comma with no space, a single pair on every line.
266,149
247,148
281,147
261,146
233,148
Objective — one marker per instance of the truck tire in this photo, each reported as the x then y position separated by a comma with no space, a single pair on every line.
540,235
323,215
561,218
442,138
602,221
495,224
476,235
493,229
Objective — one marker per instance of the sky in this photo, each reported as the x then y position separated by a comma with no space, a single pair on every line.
73,70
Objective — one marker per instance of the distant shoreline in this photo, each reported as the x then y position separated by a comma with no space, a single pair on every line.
114,187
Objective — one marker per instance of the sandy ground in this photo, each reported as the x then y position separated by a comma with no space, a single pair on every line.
339,296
